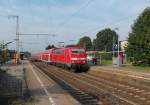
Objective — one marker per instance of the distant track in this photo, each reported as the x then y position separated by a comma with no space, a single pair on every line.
108,91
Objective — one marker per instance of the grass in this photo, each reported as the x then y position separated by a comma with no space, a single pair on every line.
129,67
106,62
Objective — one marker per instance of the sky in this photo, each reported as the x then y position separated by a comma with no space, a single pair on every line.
68,20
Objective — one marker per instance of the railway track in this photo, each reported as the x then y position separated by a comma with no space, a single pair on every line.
134,74
130,79
83,98
110,92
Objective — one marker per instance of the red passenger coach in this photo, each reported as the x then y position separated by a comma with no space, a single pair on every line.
49,55
46,56
37,56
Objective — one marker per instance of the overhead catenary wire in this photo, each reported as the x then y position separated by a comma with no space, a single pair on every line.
107,24
3,15
73,14
38,34
99,27
69,18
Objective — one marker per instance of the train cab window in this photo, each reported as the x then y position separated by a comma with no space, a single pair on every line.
78,51
59,51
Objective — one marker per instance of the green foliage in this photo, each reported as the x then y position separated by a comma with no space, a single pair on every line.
5,55
106,56
104,39
139,40
106,62
94,45
85,42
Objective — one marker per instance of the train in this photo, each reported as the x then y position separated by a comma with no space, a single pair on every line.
72,58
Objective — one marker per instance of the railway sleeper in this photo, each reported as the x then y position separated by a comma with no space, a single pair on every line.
87,98
88,102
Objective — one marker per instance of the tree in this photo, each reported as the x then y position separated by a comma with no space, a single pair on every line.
94,44
104,39
50,47
85,42
139,39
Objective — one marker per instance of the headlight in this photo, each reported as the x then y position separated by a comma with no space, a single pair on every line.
74,58
78,58
82,58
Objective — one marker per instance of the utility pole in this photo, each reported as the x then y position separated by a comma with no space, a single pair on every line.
118,52
17,36
113,49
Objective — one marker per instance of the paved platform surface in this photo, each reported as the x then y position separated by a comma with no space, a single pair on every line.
44,90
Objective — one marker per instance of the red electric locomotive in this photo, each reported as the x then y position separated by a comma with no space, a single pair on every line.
70,57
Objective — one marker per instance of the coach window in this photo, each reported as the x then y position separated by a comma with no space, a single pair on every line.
62,51
59,51
56,51
79,51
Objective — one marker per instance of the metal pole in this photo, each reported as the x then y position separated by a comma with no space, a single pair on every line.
17,37
21,46
113,49
118,51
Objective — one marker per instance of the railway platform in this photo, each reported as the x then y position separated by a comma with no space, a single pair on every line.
43,90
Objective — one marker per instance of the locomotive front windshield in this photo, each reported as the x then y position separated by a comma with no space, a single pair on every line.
78,51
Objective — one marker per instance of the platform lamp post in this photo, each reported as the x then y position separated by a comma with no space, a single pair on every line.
118,52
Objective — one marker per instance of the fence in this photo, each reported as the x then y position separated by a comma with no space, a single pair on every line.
106,58
10,86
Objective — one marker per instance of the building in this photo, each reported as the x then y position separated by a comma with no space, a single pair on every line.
123,45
